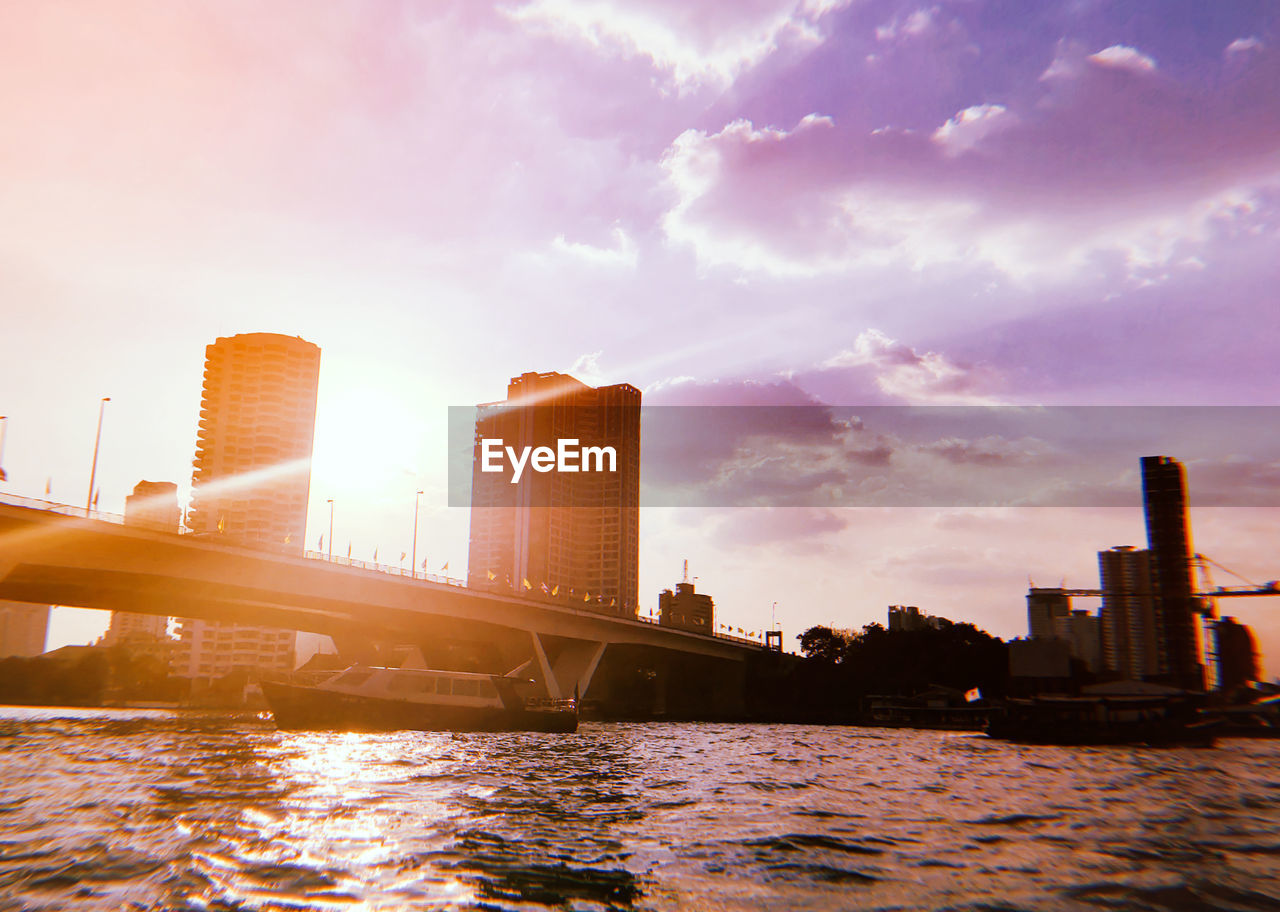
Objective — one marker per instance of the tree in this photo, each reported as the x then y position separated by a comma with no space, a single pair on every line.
824,644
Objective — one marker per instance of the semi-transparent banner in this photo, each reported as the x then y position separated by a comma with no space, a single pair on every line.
851,456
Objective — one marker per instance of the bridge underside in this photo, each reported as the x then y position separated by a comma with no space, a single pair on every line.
619,664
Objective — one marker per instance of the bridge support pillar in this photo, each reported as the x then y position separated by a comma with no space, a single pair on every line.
571,665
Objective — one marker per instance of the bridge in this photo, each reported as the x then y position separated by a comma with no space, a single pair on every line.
53,554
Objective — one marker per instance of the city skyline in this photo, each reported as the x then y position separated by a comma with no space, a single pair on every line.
881,203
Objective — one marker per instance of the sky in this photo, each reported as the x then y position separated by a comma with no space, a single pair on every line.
724,203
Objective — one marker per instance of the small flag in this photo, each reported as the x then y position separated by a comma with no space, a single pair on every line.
288,537
424,563
402,554
222,523
445,568
971,695
48,486
527,584
375,555
555,590
544,588
320,547
348,549
492,576
95,498
613,603
587,597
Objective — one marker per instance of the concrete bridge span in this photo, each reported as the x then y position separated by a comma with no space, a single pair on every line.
49,557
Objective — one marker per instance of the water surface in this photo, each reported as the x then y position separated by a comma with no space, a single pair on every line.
111,809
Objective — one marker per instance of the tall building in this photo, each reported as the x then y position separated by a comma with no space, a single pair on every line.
23,628
1164,497
152,505
1044,606
1130,643
252,473
575,535
252,479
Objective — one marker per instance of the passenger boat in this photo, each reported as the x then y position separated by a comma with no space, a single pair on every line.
1119,719
370,698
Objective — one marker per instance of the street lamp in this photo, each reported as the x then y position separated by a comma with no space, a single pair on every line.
413,566
4,426
93,472
330,503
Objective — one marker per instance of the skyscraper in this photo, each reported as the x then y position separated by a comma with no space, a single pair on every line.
252,479
576,534
1129,637
252,473
1164,497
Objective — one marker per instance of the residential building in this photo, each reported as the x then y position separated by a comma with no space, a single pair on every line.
1128,619
251,481
567,535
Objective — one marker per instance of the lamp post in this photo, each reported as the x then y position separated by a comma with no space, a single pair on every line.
330,503
93,472
4,426
413,565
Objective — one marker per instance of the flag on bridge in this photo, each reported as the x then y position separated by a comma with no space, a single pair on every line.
526,583
375,555
555,590
320,546
971,695
492,576
445,568
348,549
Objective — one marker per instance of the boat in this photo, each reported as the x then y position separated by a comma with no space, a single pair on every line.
371,698
1150,719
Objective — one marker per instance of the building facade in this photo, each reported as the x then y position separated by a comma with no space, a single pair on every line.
1129,637
686,609
909,617
1164,498
1237,654
1083,632
23,628
564,535
1044,607
152,505
251,480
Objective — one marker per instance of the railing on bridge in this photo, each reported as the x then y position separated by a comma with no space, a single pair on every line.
595,607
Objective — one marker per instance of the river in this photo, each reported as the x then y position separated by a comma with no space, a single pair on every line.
121,809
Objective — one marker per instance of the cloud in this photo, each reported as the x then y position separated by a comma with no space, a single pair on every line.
693,45
911,377
623,253
1244,46
1104,171
1124,57
968,128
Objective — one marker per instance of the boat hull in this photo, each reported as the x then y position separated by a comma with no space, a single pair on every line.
300,708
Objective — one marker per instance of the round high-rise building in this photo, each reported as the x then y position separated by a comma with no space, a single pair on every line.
252,476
